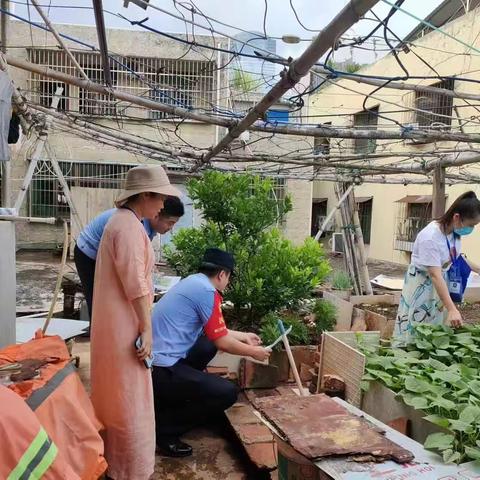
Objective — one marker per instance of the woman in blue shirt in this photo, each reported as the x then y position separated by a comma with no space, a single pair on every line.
88,241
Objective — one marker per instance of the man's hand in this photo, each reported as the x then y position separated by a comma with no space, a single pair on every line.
261,354
252,339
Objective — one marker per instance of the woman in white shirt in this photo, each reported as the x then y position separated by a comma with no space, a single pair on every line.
425,295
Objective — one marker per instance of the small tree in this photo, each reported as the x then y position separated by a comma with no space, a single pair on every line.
240,212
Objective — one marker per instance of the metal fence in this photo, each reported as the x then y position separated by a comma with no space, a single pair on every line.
46,196
181,83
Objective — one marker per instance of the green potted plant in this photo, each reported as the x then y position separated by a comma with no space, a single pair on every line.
342,285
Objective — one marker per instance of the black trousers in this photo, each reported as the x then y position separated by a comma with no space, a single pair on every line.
185,396
86,271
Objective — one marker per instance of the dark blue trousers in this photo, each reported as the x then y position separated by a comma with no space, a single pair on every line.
186,396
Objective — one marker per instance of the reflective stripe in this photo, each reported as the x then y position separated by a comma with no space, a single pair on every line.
45,462
37,458
38,396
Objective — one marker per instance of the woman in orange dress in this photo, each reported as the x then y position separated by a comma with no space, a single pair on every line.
121,383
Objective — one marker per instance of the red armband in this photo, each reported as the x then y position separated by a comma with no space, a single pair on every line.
215,328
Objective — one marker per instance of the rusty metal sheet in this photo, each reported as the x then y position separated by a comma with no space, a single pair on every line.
318,427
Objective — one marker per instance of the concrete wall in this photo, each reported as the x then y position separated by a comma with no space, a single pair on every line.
68,147
340,100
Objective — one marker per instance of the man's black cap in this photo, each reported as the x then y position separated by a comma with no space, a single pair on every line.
214,257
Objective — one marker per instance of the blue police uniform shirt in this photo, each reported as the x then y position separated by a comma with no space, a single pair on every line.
89,239
189,308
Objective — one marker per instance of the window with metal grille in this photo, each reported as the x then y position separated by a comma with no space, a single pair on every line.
321,145
414,214
46,196
366,120
436,109
183,83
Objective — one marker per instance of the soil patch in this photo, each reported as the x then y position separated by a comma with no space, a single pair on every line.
386,309
470,312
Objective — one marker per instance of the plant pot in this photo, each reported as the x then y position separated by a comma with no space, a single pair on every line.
343,294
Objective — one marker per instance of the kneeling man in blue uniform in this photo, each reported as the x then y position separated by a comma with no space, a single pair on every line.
188,329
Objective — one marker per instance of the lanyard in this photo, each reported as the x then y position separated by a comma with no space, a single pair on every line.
452,258
133,211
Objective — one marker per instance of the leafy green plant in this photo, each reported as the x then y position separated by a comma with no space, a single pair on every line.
240,212
438,373
341,281
325,313
269,331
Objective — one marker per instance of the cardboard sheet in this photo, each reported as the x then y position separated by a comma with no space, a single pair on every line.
63,327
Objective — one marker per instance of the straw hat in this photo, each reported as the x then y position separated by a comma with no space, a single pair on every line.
146,178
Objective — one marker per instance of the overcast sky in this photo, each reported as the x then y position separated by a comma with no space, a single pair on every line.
246,14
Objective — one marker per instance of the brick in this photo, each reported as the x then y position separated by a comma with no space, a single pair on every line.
279,359
358,320
263,455
220,371
241,415
304,354
257,375
401,425
251,433
305,373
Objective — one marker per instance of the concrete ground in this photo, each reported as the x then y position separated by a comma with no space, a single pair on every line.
217,452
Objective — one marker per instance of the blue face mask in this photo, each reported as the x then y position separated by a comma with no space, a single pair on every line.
463,231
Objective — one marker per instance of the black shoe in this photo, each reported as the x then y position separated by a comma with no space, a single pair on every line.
174,448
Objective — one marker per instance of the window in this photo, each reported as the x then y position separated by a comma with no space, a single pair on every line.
92,103
365,216
319,214
366,120
46,197
414,214
183,83
172,90
436,109
321,145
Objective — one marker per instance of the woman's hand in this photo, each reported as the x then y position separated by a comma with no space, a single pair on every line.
145,350
454,319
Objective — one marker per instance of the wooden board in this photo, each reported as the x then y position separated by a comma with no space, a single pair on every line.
427,466
340,356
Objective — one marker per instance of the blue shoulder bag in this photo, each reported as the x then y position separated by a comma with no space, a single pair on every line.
457,275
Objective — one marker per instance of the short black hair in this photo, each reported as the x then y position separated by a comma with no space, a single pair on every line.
212,270
172,207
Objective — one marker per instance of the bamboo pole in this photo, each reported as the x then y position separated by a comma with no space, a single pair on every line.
398,85
362,254
329,217
59,278
438,194
347,17
346,241
59,39
321,132
36,154
15,218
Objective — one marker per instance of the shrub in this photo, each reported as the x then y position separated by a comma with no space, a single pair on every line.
269,331
341,281
325,316
240,212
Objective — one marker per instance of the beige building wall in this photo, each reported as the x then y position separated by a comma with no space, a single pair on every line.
65,146
339,101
